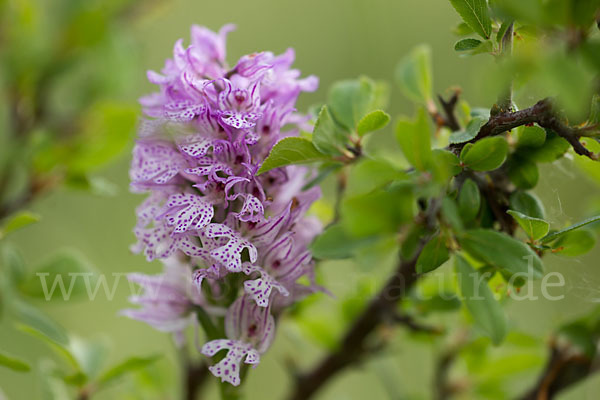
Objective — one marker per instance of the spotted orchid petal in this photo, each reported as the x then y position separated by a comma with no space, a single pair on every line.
186,211
230,254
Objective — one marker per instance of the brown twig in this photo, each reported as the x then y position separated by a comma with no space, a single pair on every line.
563,369
442,389
196,375
541,113
449,107
446,118
355,342
415,326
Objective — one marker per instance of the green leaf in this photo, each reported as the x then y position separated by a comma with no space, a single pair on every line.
411,241
413,74
451,215
36,320
523,172
469,200
130,365
14,363
554,147
96,185
479,300
109,128
485,47
486,154
535,228
531,136
462,29
373,121
334,243
446,161
555,235
575,243
370,174
327,137
66,274
12,260
292,150
475,14
467,44
527,203
466,148
60,348
502,251
434,254
52,383
415,140
90,355
394,206
18,221
325,170
349,101
470,131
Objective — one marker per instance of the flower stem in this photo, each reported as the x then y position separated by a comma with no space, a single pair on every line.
230,392
212,332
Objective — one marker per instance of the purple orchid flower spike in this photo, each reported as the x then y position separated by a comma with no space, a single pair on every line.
206,132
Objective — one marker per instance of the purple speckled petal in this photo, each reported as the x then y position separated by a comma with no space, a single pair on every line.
230,255
186,211
195,146
252,210
228,369
155,162
260,289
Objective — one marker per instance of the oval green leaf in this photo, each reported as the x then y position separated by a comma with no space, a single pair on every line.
413,74
292,150
415,140
486,154
13,363
327,137
373,121
434,254
479,300
502,251
475,14
535,228
469,200
467,44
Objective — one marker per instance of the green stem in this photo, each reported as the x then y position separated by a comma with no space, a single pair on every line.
230,392
505,99
211,330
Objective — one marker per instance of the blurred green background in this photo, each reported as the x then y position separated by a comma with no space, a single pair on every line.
333,39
